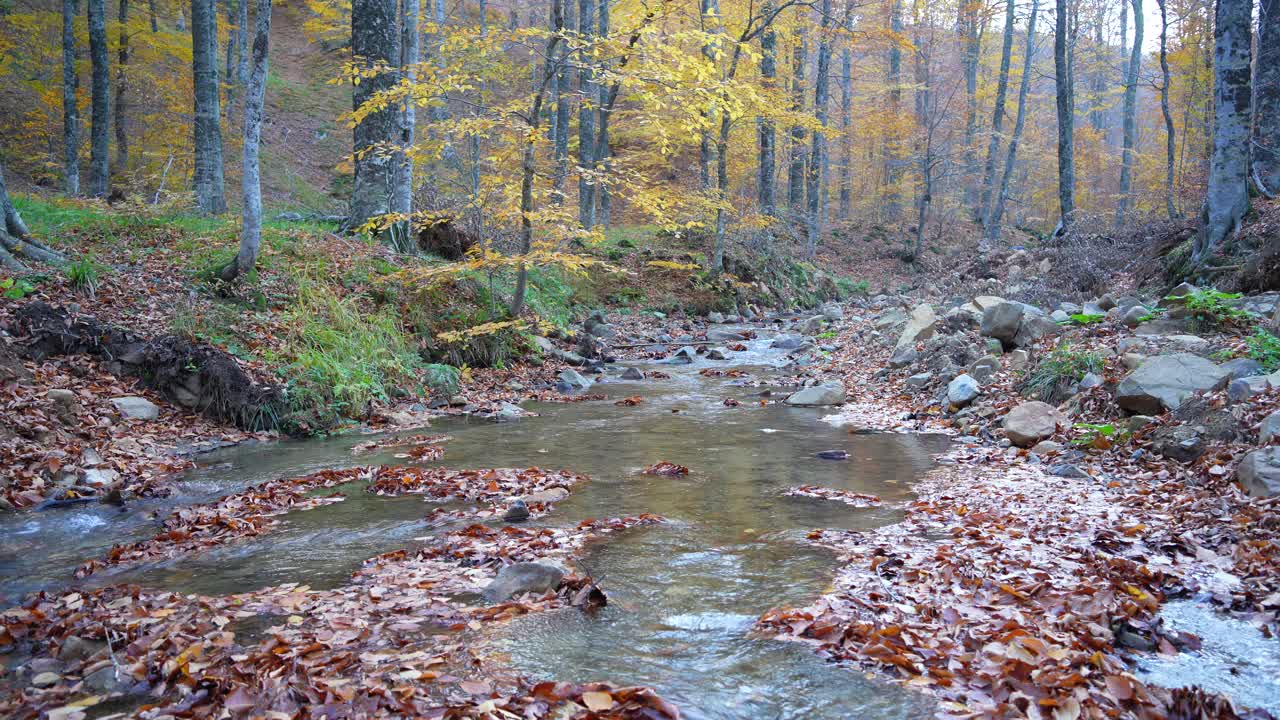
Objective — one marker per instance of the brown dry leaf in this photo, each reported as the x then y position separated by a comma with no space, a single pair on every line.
597,701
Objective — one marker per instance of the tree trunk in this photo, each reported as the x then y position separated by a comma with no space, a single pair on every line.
1227,198
564,106
766,192
250,186
992,223
971,60
1266,94
997,115
846,118
402,197
151,8
374,40
818,158
602,134
122,83
795,171
1169,137
1066,104
16,240
210,193
528,160
242,41
587,20
892,162
1129,120
70,107
99,137
229,75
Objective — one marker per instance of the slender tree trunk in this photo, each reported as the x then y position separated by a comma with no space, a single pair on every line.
528,159
151,8
16,241
971,59
846,118
564,108
1169,137
242,41
1098,84
587,20
818,158
1130,118
997,115
70,106
1227,198
795,171
603,150
1066,104
210,193
892,161
474,140
1266,93
374,40
766,170
1011,160
250,185
706,154
99,137
122,84
402,197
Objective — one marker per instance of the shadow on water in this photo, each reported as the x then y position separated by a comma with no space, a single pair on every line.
683,595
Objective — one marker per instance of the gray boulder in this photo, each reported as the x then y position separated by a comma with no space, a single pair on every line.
1031,422
63,397
918,380
984,368
787,342
1164,382
722,335
1001,321
715,317
1269,428
573,379
1259,472
1182,443
136,408
920,326
1243,368
1034,326
632,374
827,393
962,391
903,357
524,577
1135,316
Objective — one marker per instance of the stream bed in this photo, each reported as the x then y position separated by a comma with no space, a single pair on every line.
683,595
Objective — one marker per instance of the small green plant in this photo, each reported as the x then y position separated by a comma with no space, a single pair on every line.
83,275
828,335
1152,314
852,288
1099,436
1210,308
1055,378
16,288
1083,319
1264,347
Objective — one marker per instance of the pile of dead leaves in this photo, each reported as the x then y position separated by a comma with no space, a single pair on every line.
668,469
238,516
477,486
848,497
416,447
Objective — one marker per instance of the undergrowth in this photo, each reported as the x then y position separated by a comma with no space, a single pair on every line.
1055,378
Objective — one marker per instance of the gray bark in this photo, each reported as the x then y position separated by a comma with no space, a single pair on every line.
795,171
564,106
892,161
1129,120
16,241
1227,197
70,109
1266,98
846,118
402,197
210,193
242,41
587,20
1169,137
602,134
706,151
972,57
528,162
100,117
122,84
250,185
997,114
155,24
767,132
1066,105
997,212
374,40
818,157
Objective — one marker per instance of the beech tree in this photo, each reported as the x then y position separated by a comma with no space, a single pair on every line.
1266,101
1064,84
375,47
1227,195
99,139
1130,118
250,181
997,114
70,106
209,190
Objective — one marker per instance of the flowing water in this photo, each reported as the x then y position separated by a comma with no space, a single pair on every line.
683,595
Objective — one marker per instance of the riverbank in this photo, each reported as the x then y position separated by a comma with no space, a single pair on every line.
1027,577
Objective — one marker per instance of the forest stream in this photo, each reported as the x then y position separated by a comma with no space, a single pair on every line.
683,595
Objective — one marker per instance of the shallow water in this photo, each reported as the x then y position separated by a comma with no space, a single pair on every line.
683,595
